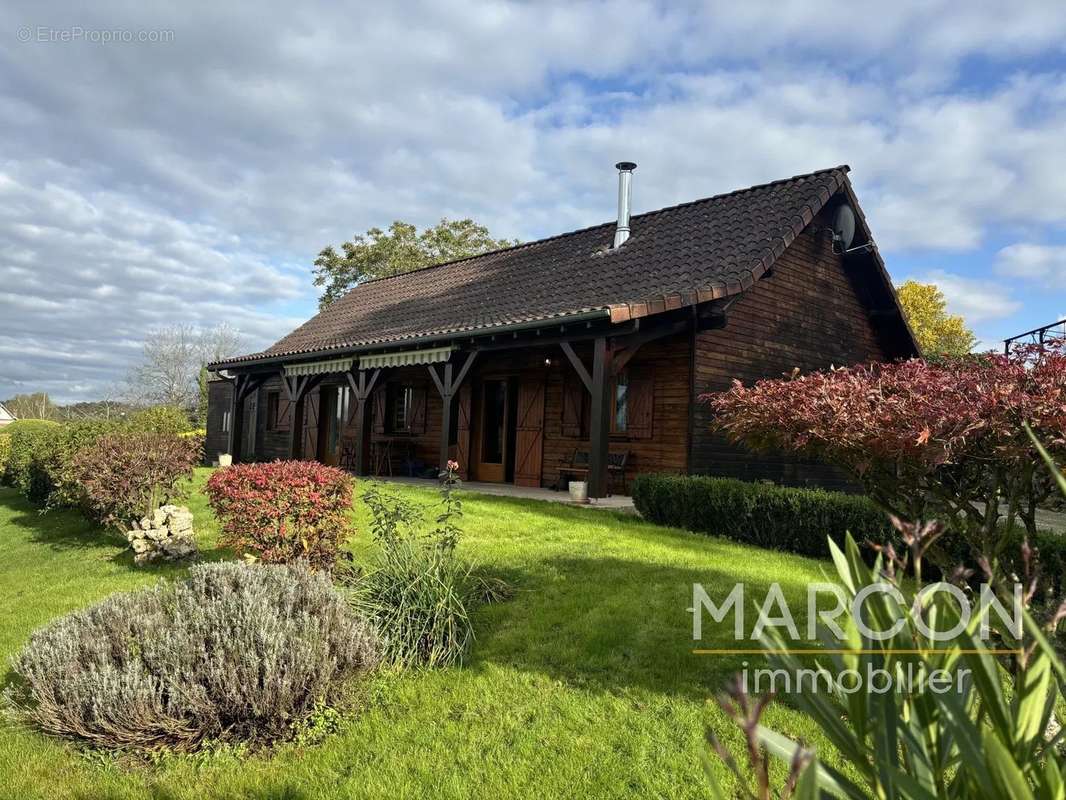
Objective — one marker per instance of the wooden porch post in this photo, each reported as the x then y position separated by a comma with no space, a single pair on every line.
598,419
236,418
447,389
297,387
361,389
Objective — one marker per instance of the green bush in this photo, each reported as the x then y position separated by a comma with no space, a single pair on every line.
27,437
5,451
41,465
234,653
160,419
780,518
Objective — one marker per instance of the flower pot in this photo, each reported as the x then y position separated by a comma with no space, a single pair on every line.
225,459
579,491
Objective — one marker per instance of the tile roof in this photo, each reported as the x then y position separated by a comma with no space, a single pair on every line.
694,252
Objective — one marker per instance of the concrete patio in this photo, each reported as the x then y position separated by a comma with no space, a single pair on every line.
617,502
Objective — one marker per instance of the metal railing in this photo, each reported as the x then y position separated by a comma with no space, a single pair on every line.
1055,331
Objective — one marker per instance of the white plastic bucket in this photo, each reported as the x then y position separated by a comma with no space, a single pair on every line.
579,491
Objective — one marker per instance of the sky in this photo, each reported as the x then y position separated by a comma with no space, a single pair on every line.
185,163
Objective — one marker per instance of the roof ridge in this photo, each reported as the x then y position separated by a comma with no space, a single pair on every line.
839,168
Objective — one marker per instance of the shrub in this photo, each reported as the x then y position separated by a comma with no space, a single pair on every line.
5,451
126,476
41,466
283,511
23,436
160,419
941,440
796,520
416,591
235,652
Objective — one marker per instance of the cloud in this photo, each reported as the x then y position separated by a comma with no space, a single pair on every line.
196,179
977,301
1036,262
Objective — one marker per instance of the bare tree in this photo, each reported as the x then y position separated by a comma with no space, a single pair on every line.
172,361
32,406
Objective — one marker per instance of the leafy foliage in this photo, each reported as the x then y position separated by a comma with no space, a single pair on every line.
380,254
417,592
5,452
984,737
235,652
776,517
25,436
126,476
926,440
283,511
161,419
938,333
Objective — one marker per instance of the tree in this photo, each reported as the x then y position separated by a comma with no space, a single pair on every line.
938,332
943,440
32,406
172,361
380,254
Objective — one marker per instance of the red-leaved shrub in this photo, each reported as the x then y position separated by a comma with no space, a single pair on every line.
942,440
283,510
126,476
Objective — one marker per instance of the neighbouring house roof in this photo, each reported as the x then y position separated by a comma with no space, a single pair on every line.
677,256
5,415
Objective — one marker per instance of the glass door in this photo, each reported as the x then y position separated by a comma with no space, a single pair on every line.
492,435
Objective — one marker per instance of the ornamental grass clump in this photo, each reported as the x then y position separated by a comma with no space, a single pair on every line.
234,653
283,511
417,592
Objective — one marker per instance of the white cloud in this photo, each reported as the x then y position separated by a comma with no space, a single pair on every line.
976,300
1044,263
203,175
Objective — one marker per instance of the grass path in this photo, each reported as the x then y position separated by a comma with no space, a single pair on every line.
583,685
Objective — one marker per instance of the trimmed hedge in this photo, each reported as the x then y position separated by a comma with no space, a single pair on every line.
28,437
5,451
775,517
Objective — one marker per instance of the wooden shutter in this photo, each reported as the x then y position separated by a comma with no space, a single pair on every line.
379,408
573,402
462,431
285,409
416,415
310,432
529,439
641,407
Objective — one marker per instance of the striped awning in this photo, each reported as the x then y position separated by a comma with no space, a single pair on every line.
406,358
319,367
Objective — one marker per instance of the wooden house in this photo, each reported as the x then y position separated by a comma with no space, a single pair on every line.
579,354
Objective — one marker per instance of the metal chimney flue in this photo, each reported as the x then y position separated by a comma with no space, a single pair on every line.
625,200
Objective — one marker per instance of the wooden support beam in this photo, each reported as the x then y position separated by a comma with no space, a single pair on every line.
447,386
362,385
297,387
598,419
579,367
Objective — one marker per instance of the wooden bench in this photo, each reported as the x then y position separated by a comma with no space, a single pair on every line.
578,466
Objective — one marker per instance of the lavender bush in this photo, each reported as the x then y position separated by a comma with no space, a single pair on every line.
236,652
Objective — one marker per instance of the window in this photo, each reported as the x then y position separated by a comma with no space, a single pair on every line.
620,412
225,421
399,404
272,404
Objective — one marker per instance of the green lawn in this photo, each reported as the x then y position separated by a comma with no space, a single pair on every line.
582,685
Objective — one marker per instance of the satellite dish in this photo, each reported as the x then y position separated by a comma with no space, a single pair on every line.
843,227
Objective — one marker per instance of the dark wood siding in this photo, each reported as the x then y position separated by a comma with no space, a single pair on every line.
219,399
806,314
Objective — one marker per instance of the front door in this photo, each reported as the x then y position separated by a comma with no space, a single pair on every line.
330,422
490,446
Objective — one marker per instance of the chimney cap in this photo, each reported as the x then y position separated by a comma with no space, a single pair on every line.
627,166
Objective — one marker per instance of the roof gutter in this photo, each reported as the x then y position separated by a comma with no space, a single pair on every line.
314,355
